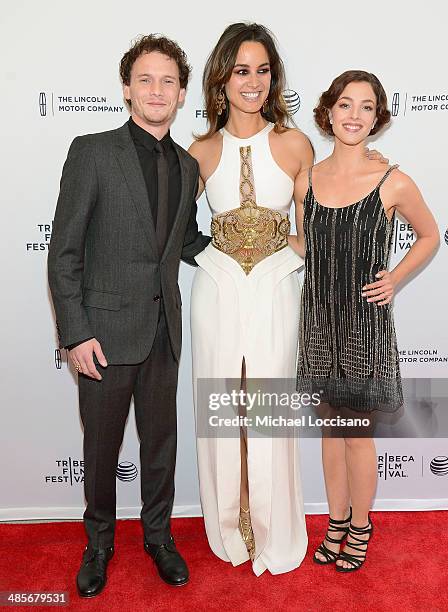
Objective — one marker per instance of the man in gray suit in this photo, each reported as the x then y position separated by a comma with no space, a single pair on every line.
126,216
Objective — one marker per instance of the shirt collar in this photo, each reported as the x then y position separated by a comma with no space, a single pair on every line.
144,138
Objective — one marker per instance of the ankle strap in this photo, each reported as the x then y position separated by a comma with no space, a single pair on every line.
339,522
361,530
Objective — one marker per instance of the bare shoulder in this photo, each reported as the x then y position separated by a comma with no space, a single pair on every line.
292,150
399,191
202,148
195,148
207,153
400,184
401,180
295,140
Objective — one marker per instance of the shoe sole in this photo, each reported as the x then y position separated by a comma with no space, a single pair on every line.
346,570
319,562
93,595
175,584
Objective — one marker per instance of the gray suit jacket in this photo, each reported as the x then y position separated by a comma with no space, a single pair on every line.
104,270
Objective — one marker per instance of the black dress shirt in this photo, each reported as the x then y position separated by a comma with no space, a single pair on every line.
144,143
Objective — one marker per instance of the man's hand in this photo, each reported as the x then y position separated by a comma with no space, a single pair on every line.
82,358
376,156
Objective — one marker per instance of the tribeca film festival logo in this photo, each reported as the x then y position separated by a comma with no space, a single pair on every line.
51,104
403,103
395,466
41,242
439,466
71,471
291,98
404,236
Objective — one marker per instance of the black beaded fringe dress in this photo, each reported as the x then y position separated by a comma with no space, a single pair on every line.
348,348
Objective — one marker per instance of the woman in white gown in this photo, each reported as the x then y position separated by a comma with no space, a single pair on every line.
246,295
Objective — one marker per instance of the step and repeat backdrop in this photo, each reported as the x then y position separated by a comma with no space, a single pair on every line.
60,79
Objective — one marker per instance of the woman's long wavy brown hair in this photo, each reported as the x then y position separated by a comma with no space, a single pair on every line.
218,71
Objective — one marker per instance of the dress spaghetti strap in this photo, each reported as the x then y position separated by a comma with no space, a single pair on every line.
386,175
310,171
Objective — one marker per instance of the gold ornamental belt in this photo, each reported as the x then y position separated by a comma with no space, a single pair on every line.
249,233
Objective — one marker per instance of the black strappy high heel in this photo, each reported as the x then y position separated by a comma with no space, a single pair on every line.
330,555
360,545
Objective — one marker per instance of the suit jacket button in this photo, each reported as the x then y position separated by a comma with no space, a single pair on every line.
156,298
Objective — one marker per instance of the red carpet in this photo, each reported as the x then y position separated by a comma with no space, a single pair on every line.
406,570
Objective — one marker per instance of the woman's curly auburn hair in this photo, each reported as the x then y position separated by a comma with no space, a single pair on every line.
161,44
329,98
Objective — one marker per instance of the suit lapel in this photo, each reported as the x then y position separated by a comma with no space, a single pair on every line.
184,200
130,166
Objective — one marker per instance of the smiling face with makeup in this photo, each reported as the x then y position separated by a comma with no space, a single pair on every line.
250,81
353,116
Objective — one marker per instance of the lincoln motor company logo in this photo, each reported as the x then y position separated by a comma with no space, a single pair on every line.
43,104
51,104
418,102
395,107
60,357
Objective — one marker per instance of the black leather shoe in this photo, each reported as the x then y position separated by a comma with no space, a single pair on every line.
92,577
170,565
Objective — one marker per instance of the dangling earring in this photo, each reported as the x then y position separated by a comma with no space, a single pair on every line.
374,124
220,102
330,119
265,105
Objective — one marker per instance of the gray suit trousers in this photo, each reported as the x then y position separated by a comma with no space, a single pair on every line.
104,407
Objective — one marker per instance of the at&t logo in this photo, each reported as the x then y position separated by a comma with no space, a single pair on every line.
126,471
439,466
292,101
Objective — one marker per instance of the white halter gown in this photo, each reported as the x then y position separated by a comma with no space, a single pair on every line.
255,316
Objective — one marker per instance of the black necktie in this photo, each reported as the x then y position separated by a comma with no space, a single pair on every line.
162,197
